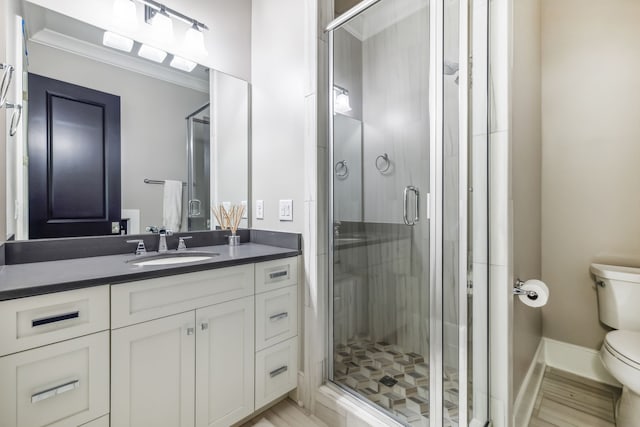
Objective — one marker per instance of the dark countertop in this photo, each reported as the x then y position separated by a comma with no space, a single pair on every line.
37,278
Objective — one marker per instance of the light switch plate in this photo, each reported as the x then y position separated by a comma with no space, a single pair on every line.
285,212
259,209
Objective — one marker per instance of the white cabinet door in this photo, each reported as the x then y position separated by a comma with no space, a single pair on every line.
224,363
152,373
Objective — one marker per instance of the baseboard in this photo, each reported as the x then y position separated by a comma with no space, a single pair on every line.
526,397
578,360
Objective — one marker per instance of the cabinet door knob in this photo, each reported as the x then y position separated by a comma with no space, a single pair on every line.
204,326
190,331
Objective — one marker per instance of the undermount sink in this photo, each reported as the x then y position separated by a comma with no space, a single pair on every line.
169,258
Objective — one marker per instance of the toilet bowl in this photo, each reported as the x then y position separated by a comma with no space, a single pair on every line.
620,354
618,291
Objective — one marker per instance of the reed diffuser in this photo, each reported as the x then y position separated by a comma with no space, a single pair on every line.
229,220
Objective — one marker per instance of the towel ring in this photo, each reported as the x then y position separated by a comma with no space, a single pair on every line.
383,163
341,169
15,118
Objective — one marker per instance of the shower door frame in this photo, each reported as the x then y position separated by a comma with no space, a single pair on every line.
435,204
191,180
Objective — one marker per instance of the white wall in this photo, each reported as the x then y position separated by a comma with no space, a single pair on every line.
229,139
228,40
278,110
526,143
591,134
152,138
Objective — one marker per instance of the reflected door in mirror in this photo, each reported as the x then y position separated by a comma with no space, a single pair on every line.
74,160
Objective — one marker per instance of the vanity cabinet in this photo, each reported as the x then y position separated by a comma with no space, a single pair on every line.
159,368
195,366
203,349
57,369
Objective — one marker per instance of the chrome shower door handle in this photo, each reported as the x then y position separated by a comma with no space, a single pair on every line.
411,189
194,207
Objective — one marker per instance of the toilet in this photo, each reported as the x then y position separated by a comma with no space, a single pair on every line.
619,307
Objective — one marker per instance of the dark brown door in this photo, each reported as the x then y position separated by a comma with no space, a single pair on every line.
74,160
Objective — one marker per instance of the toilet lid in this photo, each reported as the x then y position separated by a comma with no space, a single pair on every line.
625,345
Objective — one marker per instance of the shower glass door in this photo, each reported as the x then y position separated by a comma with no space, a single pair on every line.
408,333
199,158
381,228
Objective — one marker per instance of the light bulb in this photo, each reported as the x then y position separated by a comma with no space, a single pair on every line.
124,14
194,42
117,41
152,53
182,64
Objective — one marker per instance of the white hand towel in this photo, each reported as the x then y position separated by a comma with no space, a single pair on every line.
172,205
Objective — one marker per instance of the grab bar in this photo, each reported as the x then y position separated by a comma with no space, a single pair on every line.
157,181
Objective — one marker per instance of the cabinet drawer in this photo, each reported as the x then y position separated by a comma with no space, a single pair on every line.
276,274
276,316
63,384
276,371
36,321
144,300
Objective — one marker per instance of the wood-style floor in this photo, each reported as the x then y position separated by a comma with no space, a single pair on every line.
284,414
567,400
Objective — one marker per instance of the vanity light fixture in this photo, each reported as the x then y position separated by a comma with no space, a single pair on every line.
117,41
182,64
194,41
160,22
151,53
340,100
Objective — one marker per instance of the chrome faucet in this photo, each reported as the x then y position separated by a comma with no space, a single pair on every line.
162,233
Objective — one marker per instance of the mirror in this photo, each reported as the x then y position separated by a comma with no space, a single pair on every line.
175,125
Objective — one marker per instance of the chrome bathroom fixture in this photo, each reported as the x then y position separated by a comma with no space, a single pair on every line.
517,290
341,169
383,163
16,116
7,76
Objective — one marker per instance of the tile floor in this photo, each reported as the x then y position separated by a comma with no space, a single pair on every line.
395,379
284,414
567,400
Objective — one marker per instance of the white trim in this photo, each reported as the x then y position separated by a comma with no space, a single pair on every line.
526,398
69,44
578,360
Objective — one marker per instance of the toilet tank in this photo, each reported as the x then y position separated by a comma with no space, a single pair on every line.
618,295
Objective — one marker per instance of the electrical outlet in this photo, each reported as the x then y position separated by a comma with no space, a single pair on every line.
259,209
285,213
244,212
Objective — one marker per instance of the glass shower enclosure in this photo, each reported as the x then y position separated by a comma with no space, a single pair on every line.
199,169
402,304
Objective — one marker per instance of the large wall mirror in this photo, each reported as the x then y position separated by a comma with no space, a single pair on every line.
172,126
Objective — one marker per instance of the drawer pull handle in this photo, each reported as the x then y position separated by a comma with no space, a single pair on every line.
54,319
278,371
55,391
277,274
279,316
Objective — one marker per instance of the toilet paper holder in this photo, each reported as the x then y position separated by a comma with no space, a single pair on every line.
517,290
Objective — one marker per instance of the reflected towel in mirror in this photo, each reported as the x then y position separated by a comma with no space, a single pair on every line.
172,205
